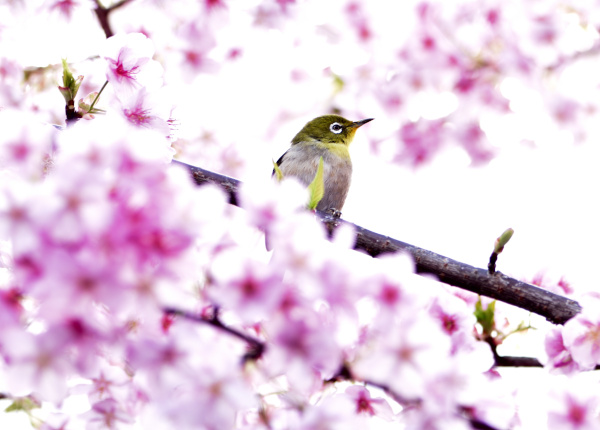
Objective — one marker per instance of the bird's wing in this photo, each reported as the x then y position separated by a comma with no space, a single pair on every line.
279,162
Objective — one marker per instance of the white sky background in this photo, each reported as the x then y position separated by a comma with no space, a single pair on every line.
546,190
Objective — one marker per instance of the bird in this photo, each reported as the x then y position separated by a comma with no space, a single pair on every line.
326,136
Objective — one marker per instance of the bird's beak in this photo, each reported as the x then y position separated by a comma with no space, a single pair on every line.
357,124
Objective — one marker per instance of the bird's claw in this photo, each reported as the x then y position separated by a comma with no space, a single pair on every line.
334,213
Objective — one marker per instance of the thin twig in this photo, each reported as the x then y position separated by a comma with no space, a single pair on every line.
256,348
97,96
103,13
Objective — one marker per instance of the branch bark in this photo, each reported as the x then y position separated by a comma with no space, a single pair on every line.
102,13
555,308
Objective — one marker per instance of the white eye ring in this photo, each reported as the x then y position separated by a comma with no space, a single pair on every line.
336,128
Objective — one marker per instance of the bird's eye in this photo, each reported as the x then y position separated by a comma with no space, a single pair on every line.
335,128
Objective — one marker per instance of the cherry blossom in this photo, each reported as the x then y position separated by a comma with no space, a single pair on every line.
148,110
333,412
210,384
301,349
366,404
107,414
11,308
400,356
130,63
26,145
581,336
456,320
572,406
253,289
558,356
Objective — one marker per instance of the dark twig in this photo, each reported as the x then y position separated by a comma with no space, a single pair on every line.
256,348
554,308
499,245
467,412
492,263
102,13
508,361
72,116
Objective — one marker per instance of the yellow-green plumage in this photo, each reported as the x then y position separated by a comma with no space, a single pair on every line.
329,137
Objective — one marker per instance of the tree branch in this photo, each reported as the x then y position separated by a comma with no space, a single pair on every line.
509,361
556,309
102,13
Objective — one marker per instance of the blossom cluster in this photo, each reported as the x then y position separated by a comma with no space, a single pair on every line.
102,236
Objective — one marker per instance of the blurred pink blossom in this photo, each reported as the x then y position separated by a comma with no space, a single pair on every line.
366,404
581,335
573,405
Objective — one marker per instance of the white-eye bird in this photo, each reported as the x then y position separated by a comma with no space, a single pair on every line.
326,136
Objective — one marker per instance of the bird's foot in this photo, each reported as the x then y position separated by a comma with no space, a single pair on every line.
334,213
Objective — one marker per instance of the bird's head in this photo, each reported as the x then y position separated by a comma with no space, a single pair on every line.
329,129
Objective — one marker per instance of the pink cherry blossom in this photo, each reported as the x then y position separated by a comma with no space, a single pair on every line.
193,46
108,413
273,13
178,371
303,348
250,288
332,412
359,21
559,358
401,356
144,109
456,319
67,8
573,405
37,363
11,309
581,335
420,140
366,404
110,381
26,145
130,63
10,76
270,203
